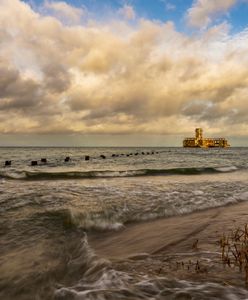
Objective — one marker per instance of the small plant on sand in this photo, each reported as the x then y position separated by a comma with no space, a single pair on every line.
190,266
234,250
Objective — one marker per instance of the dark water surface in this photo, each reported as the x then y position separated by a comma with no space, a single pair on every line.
47,210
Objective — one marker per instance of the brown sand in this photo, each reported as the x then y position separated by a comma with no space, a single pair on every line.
168,245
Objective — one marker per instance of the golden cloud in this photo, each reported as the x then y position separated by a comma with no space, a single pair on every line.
115,77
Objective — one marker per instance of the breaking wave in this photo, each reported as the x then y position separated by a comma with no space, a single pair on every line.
105,219
85,220
35,175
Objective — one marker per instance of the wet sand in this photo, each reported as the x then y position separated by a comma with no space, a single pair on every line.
185,247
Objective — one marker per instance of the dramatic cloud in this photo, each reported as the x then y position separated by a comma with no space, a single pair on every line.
118,78
202,11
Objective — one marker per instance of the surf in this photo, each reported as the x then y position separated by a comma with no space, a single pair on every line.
48,175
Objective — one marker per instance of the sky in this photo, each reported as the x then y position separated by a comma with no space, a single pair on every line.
122,73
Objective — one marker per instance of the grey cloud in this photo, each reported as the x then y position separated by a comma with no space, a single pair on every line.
91,78
15,92
56,78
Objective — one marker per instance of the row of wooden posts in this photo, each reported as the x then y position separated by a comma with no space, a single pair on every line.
87,157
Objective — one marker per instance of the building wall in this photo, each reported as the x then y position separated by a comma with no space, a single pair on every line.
198,141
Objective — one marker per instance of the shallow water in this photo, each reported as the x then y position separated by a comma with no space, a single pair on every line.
45,210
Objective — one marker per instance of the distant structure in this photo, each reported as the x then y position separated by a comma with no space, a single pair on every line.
199,142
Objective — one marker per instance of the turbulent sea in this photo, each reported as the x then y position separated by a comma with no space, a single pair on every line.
48,211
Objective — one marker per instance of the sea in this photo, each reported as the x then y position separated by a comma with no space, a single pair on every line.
49,209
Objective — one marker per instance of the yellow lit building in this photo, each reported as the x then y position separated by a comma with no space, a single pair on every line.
199,141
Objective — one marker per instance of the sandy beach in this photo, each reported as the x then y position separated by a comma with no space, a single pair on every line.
185,247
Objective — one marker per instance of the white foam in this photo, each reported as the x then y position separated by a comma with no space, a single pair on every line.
88,221
157,288
198,193
243,196
227,169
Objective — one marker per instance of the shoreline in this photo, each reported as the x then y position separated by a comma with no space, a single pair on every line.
153,235
176,246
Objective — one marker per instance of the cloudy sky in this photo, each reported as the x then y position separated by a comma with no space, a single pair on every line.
116,72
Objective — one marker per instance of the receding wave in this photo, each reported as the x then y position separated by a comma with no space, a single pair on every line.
101,280
35,175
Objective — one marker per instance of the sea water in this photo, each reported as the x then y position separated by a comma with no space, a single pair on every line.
48,210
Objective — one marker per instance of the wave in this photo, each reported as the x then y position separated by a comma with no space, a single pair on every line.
34,175
116,219
88,221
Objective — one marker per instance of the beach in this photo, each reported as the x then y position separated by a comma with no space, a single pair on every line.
173,258
125,224
156,247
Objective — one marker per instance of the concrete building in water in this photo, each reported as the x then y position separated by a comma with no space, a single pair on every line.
199,141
